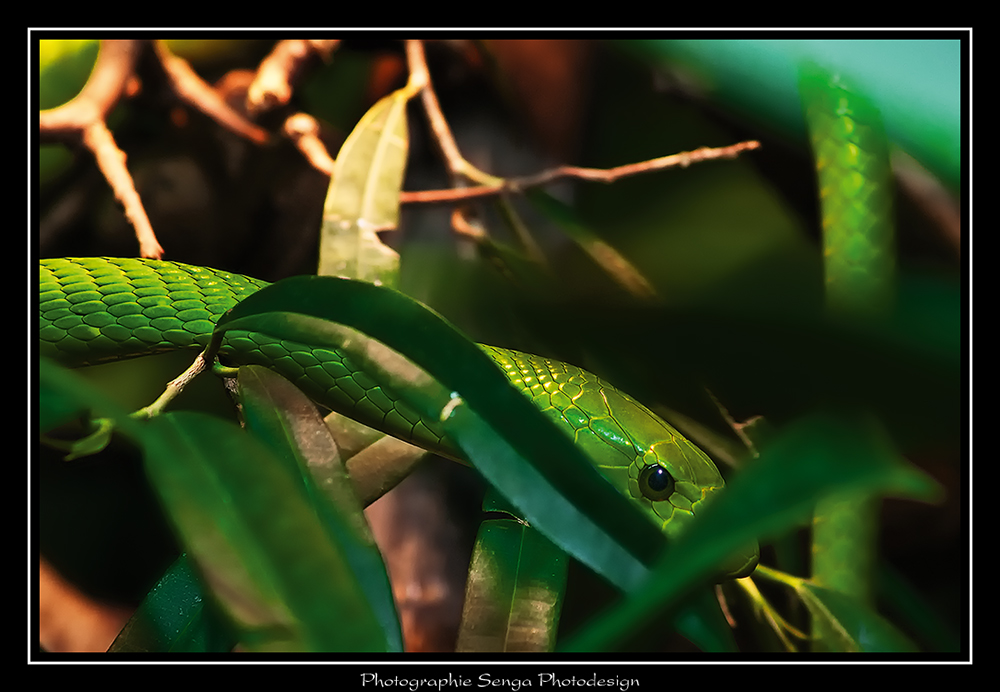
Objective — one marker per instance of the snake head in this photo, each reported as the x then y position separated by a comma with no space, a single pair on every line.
637,451
669,477
676,482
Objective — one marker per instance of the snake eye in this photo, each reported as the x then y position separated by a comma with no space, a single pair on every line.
656,483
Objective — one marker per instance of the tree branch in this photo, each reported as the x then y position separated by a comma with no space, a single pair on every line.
602,175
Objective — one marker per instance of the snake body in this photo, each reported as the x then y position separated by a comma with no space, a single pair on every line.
95,310
856,194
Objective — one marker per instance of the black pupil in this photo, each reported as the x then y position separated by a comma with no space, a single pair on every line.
658,479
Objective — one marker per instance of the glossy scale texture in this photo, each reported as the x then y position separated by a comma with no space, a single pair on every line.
94,310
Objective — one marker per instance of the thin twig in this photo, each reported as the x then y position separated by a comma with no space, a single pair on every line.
490,185
303,131
176,386
457,165
460,224
450,195
724,606
420,76
111,160
608,175
737,427
82,120
460,171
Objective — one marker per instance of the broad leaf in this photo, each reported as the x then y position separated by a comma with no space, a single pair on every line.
514,595
805,462
364,196
175,617
284,419
447,378
256,540
608,258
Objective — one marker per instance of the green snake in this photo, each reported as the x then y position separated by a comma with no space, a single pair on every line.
856,201
95,310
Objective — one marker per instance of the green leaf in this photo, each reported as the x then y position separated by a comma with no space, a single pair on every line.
62,395
101,430
513,598
258,544
701,620
806,461
63,69
364,196
55,406
907,606
608,258
174,617
282,417
447,378
852,625
759,350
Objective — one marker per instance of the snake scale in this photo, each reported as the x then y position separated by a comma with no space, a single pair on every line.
95,310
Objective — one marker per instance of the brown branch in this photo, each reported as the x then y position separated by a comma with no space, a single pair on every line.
489,185
272,85
608,175
111,160
71,621
303,131
439,125
457,165
450,196
461,225
82,120
193,90
420,76
104,88
931,197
